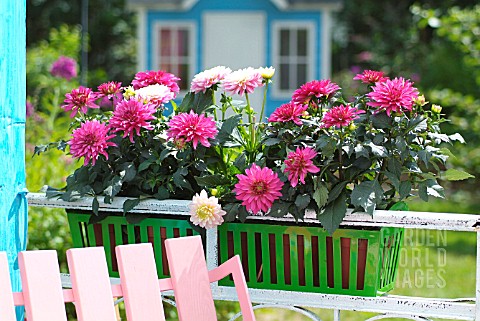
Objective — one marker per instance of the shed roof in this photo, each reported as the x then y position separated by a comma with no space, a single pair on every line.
281,4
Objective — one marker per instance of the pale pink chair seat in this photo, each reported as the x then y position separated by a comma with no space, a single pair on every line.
44,299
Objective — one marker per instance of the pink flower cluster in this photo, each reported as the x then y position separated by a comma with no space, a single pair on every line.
314,89
131,113
340,116
240,82
258,189
64,67
192,127
160,77
90,141
397,95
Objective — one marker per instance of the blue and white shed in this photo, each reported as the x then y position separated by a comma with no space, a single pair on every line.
187,36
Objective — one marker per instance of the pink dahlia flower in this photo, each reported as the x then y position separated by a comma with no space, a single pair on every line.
147,78
315,88
90,141
370,76
64,67
79,99
205,211
299,163
258,189
109,89
397,95
130,116
208,78
242,81
193,128
155,94
288,112
340,116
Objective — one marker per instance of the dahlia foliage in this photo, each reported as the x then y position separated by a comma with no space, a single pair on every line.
319,152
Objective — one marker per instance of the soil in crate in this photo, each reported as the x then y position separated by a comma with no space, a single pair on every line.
305,258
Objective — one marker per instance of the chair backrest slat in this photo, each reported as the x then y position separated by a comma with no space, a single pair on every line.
91,284
7,309
138,274
190,279
42,287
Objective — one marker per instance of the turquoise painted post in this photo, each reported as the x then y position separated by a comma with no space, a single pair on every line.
13,205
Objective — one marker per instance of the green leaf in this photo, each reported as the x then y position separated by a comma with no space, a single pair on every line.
456,175
321,195
405,189
232,210
417,124
457,137
242,214
241,162
434,189
230,124
144,165
212,180
225,133
180,181
129,204
422,191
52,192
95,206
381,120
302,201
378,150
367,195
394,179
165,153
333,214
97,218
336,191
272,141
279,209
399,206
162,193
197,102
135,218
130,173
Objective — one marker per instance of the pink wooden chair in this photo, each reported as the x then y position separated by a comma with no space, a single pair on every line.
44,299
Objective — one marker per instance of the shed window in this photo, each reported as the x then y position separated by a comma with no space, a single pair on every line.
293,50
174,51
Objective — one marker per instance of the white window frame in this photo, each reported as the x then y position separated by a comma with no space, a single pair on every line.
192,40
310,59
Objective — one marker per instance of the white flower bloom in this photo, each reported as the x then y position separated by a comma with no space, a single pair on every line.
157,94
205,211
208,78
267,72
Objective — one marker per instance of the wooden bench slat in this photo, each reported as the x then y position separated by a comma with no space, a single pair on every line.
42,287
190,279
91,284
138,274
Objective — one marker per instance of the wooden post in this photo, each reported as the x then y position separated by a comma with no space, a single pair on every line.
13,205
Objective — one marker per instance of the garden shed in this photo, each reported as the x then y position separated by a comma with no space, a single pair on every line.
185,37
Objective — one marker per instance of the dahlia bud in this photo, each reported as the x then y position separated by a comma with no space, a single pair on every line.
420,100
214,192
352,126
179,143
436,108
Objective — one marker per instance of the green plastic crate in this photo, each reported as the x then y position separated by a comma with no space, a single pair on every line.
307,259
115,230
